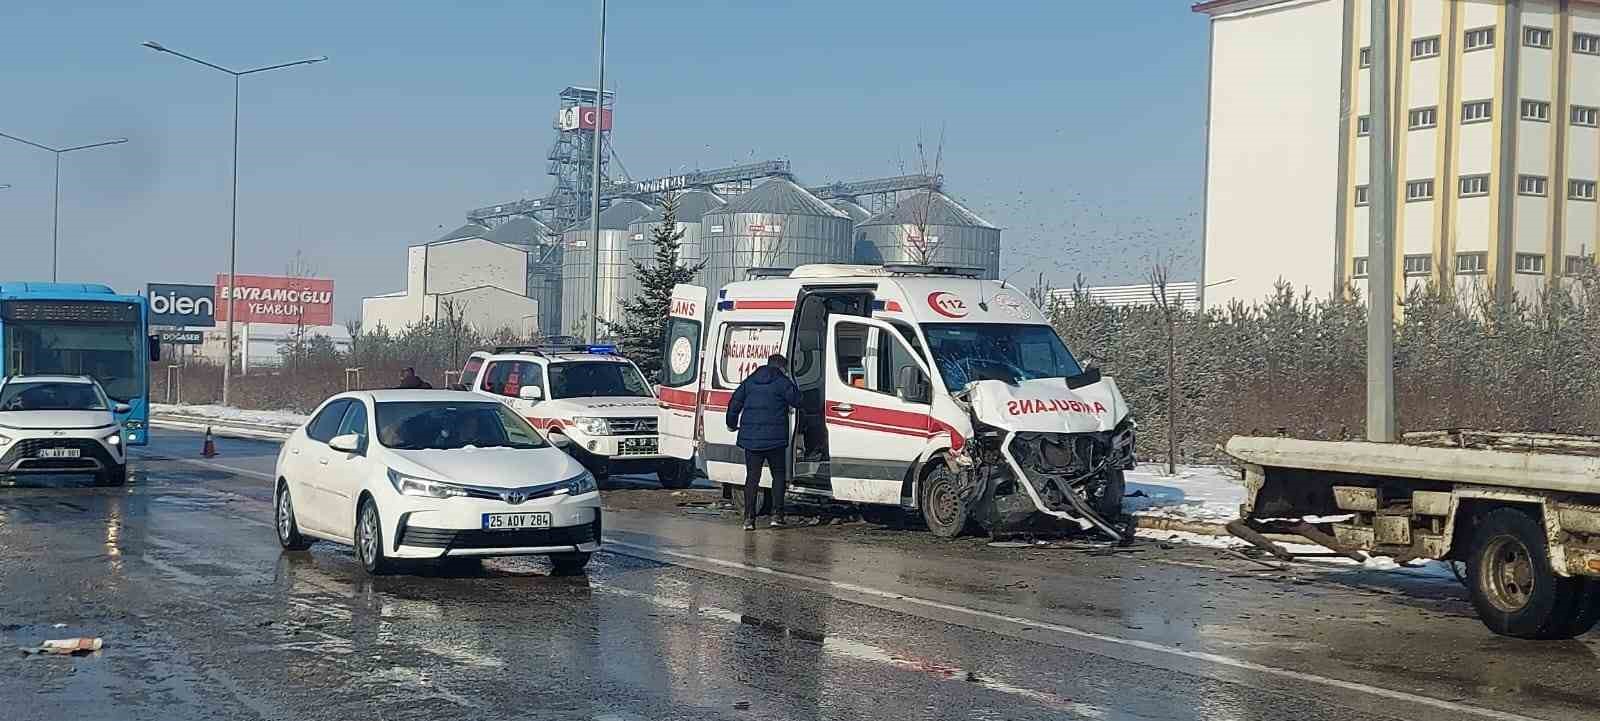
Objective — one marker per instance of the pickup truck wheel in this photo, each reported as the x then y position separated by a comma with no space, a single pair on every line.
675,474
1513,587
942,508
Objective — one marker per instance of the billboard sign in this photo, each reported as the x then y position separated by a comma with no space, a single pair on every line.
181,304
277,299
582,118
181,337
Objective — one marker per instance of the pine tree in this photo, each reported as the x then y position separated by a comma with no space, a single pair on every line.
644,317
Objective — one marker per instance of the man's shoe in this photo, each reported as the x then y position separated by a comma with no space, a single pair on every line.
776,523
749,526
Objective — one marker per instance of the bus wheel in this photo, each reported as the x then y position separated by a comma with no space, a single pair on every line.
1513,588
942,508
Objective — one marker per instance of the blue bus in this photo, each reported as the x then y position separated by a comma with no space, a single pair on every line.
82,329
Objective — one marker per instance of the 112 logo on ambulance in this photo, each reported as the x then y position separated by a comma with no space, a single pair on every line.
947,304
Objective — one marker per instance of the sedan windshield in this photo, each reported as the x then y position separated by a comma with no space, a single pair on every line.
590,379
967,352
434,425
51,396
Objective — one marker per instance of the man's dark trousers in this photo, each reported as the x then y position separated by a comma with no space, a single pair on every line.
777,461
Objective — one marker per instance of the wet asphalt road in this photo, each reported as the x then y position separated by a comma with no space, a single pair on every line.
685,616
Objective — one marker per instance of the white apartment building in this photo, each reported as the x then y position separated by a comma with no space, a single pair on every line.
1496,128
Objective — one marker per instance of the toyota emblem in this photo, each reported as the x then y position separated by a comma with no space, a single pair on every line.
513,497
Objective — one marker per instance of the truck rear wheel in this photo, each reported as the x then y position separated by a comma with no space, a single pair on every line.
1513,588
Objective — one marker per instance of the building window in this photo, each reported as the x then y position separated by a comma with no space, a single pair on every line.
1580,190
1478,39
1586,43
1364,126
1579,264
1424,118
1533,185
1418,190
1361,195
1474,185
1425,48
1536,110
1472,263
1416,265
1359,268
1477,111
1366,57
1537,37
1586,116
1530,263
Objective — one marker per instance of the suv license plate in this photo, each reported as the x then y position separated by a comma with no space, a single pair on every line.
59,453
638,447
515,521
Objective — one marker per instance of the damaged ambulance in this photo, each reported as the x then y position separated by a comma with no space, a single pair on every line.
925,390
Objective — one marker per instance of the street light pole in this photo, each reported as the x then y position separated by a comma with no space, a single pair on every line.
1380,240
55,203
233,211
594,188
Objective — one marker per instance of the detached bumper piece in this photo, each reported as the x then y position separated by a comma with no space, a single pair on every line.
23,456
453,539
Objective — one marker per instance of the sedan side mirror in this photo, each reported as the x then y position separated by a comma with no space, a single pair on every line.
347,443
530,393
121,408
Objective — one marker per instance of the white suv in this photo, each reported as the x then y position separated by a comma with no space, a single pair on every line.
589,401
61,424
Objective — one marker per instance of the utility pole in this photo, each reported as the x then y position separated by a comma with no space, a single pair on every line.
1380,239
594,190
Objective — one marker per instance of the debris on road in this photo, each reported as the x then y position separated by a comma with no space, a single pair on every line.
67,647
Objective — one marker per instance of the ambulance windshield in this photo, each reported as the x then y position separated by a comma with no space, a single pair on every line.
967,352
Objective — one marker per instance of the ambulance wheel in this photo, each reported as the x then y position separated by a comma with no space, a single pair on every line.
1108,502
942,507
675,474
763,499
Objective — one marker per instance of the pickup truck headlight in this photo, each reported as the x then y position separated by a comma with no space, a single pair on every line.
422,487
591,426
582,483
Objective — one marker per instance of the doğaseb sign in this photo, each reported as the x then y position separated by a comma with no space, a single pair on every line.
277,299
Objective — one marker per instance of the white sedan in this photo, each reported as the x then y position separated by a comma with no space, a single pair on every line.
433,475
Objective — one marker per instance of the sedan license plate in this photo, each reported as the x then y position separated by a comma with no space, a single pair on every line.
638,447
515,521
59,453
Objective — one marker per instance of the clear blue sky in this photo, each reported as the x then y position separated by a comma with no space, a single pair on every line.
1075,125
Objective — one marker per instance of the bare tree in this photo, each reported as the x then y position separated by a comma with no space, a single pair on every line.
920,246
297,269
452,319
1168,306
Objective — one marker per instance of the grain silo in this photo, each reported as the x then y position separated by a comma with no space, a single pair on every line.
776,225
544,265
577,261
850,208
692,206
929,228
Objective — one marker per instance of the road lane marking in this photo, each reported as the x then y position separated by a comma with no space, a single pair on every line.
656,554
212,466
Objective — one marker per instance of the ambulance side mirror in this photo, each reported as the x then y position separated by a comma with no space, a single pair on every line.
531,393
911,386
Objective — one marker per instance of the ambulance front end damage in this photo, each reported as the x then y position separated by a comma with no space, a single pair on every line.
1052,449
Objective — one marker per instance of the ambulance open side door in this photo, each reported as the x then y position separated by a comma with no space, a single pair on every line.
878,409
678,393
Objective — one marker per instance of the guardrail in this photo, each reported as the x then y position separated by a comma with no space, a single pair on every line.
223,427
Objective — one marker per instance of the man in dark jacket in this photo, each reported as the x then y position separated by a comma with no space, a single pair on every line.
410,381
759,411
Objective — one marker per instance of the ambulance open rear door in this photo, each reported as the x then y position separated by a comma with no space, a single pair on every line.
681,357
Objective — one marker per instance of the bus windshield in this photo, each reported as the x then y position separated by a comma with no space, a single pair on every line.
967,352
108,352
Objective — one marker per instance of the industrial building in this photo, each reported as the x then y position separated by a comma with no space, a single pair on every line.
482,273
1496,143
1185,295
735,219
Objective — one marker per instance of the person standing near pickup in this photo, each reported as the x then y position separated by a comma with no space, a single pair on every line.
759,412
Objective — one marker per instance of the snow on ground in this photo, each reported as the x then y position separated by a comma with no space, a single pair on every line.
285,419
1199,494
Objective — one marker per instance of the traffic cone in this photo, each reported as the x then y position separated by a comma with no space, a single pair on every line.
209,450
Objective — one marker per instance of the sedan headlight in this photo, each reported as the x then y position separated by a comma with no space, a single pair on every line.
582,483
591,426
422,487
